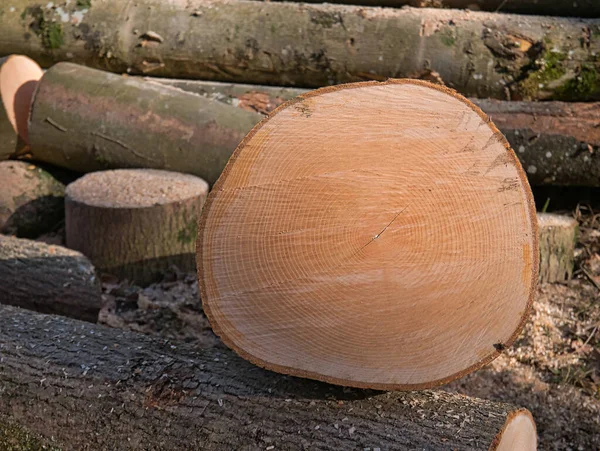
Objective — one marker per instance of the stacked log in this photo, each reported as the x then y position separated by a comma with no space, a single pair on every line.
479,54
128,390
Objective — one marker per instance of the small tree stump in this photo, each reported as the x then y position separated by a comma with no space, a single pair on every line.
135,223
558,235
379,235
48,279
31,200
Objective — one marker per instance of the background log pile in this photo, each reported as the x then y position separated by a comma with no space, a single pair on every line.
174,87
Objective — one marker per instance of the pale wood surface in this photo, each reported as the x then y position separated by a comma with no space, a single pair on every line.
375,235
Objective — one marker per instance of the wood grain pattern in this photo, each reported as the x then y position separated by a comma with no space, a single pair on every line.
375,235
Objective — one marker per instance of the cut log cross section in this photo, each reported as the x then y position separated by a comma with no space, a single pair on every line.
377,235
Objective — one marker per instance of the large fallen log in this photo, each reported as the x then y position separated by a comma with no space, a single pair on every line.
48,279
379,235
479,54
100,388
87,120
579,8
135,223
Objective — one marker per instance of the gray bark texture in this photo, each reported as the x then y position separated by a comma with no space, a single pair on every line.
49,279
579,8
558,237
99,388
31,200
479,54
140,239
87,120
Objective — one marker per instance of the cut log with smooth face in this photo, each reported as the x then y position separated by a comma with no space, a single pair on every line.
376,235
19,78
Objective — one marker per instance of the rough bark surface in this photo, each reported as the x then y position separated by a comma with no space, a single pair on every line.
87,120
480,54
100,388
49,279
557,142
135,223
31,200
579,8
558,236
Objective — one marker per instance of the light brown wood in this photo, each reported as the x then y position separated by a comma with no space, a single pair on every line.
135,223
19,77
518,434
375,235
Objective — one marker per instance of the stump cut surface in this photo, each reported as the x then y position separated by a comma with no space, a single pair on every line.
376,235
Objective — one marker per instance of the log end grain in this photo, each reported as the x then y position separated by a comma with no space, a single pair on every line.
31,199
19,77
518,433
558,236
48,279
379,235
135,223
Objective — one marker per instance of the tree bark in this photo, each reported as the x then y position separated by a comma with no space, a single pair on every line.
101,388
556,142
479,54
49,279
31,200
558,236
341,221
87,120
580,8
135,223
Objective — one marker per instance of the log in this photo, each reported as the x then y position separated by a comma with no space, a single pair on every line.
102,388
378,235
579,8
31,200
135,223
558,236
556,142
8,137
88,120
48,279
480,54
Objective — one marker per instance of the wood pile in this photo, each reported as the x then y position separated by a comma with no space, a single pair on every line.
379,235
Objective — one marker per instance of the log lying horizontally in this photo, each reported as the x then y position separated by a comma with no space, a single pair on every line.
87,120
378,235
135,223
101,388
479,54
49,279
